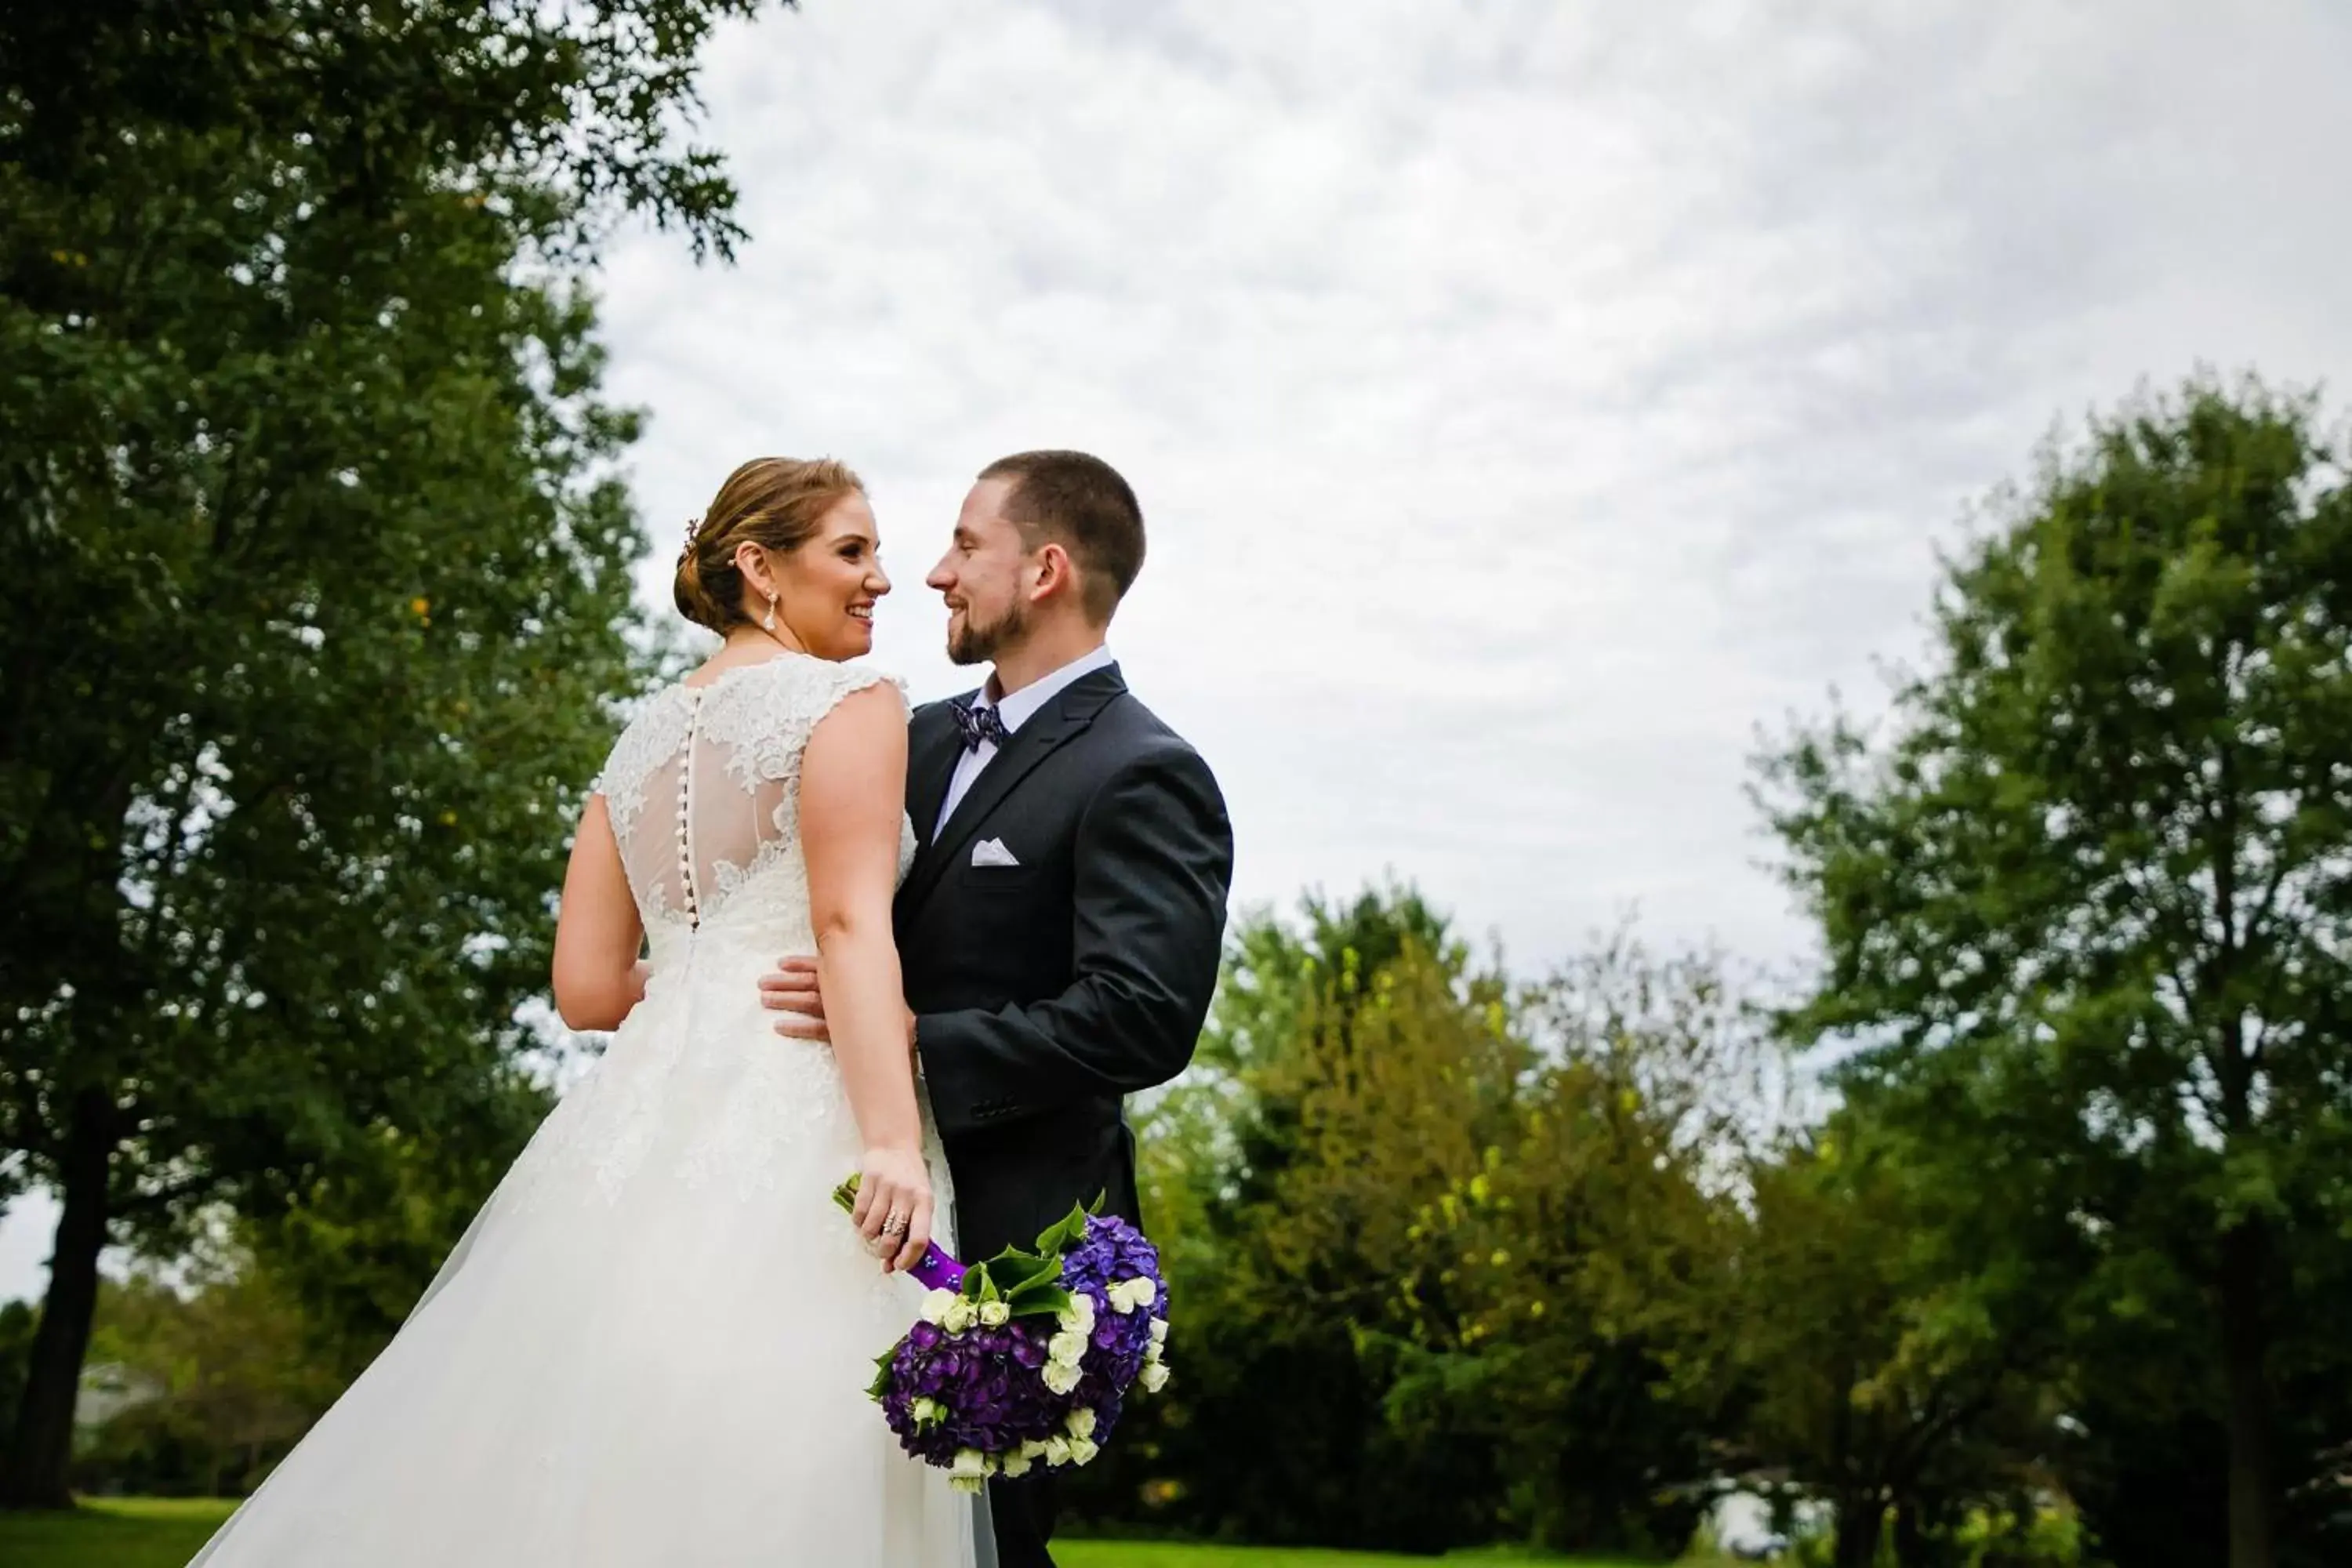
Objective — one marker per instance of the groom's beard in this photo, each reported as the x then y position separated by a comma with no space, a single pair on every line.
972,643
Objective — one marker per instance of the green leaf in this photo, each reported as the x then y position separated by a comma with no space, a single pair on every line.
1010,1271
1065,1234
1040,1299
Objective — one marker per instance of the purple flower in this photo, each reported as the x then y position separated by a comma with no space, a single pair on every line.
983,1387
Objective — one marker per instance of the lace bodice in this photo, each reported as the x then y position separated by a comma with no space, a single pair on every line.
703,789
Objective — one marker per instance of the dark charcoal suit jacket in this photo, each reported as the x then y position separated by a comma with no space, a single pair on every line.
1046,992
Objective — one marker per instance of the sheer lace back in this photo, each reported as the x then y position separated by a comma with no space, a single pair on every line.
703,789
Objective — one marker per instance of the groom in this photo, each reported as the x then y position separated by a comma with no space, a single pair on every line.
1060,928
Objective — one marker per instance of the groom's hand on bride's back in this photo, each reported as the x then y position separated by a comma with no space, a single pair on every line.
790,990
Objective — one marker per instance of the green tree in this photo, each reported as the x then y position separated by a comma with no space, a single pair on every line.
2087,906
1277,1193
1449,1256
318,580
220,1374
1567,1295
1892,1368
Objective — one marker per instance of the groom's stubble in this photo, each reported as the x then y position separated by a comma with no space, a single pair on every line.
970,642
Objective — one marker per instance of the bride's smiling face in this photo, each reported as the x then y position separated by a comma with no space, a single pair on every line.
826,588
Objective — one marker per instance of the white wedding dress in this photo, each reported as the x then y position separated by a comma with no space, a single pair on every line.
652,1346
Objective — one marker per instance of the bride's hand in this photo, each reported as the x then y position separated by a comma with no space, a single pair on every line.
895,1184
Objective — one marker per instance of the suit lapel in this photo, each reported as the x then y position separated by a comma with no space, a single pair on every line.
933,749
1067,715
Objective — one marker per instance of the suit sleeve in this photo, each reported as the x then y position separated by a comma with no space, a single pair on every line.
1154,857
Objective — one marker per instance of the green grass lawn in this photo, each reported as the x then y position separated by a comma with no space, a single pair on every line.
132,1532
150,1532
1140,1554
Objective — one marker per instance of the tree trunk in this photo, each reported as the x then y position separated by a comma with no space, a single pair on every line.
1919,1518
2245,1346
1861,1519
42,1442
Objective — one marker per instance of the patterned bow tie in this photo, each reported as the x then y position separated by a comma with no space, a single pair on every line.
979,723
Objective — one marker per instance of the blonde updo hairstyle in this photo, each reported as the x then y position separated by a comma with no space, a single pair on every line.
773,502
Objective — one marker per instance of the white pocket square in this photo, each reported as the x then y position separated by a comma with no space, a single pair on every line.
992,852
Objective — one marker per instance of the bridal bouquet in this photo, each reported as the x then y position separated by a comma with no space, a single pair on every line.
1027,1359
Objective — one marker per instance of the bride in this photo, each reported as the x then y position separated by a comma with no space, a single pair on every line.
652,1345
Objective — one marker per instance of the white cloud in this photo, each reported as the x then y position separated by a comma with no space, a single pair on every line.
1526,400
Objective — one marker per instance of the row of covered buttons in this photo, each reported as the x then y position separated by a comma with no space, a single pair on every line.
686,805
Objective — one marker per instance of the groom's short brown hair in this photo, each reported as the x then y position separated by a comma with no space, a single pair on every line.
1080,502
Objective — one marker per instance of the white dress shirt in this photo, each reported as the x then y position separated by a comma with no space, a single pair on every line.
1012,712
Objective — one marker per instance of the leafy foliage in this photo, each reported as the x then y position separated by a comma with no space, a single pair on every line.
1565,1287
217,1374
2087,910
1896,1372
1442,1247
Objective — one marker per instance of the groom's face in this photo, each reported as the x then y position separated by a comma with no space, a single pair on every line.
985,577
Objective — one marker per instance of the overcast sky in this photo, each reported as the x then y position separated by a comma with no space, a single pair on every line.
1527,401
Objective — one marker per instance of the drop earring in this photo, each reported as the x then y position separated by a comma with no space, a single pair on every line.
769,623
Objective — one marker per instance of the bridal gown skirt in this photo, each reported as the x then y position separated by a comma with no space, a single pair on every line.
652,1347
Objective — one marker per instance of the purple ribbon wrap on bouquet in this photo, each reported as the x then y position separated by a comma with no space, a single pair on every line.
936,1270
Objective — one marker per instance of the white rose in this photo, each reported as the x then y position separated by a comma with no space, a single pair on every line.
1068,1347
1129,1294
994,1314
935,1304
1017,1465
1154,1376
1061,1378
925,1410
1058,1450
966,1483
1035,1448
1078,1315
1158,1331
970,1464
960,1316
1081,1423
1082,1451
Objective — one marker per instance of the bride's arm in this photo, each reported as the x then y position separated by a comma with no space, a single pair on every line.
853,792
597,933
